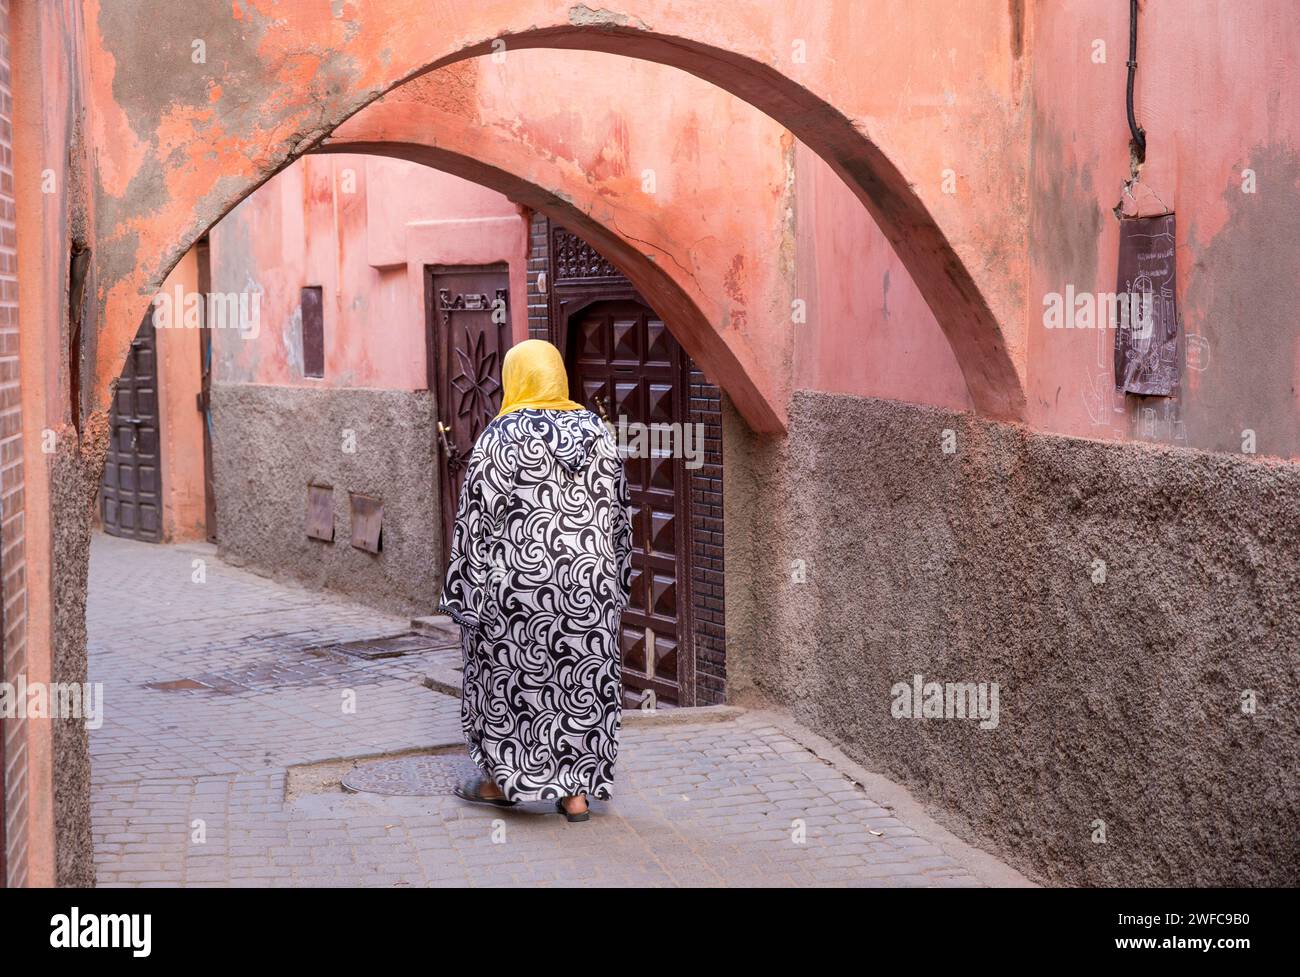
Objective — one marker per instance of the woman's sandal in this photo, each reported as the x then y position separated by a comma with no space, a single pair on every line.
572,818
472,791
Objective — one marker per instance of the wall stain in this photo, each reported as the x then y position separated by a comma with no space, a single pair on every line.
1244,280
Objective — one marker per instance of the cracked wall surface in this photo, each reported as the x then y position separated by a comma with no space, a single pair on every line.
170,163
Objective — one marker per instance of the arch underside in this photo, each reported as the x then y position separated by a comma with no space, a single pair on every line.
691,328
203,156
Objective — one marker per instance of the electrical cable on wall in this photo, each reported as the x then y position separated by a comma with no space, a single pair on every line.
1139,134
1138,141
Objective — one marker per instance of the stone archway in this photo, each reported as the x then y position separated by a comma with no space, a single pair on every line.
170,161
691,304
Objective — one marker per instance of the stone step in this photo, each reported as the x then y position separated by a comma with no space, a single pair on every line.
434,624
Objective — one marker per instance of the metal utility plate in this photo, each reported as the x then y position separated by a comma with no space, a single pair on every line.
389,646
412,776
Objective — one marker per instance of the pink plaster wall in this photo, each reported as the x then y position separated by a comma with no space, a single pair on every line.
868,330
363,228
891,96
180,378
747,195
772,221
46,54
1216,91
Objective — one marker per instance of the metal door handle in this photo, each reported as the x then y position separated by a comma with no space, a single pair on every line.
135,423
454,461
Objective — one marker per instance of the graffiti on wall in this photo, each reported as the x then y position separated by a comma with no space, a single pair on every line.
1146,342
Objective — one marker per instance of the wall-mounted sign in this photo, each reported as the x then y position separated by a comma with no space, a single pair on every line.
1146,336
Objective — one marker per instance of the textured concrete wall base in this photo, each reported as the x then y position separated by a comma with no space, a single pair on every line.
74,485
269,442
1120,701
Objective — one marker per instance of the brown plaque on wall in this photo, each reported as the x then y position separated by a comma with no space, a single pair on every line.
367,522
320,512
1146,337
313,331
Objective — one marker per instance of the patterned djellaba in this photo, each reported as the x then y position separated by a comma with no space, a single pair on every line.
540,574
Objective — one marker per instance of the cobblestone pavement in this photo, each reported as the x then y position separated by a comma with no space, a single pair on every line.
224,776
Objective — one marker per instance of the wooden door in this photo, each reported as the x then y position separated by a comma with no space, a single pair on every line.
468,314
622,359
131,490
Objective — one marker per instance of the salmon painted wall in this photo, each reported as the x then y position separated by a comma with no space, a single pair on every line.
781,225
768,222
701,174
891,96
180,378
1218,92
868,331
50,178
363,228
752,200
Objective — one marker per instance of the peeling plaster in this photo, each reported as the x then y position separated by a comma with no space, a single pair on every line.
584,16
313,79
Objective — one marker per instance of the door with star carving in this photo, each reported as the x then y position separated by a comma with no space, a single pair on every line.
468,314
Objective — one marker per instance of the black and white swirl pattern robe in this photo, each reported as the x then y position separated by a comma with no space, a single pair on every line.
539,575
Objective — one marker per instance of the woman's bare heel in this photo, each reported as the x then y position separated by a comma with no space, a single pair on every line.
573,816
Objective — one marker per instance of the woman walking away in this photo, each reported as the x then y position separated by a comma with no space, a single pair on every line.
540,573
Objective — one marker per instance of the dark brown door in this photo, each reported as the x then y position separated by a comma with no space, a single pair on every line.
623,360
131,491
468,334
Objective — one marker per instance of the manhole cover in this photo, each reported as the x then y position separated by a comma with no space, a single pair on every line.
417,776
389,646
177,685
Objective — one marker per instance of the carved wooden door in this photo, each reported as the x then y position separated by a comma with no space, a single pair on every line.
469,332
623,360
130,492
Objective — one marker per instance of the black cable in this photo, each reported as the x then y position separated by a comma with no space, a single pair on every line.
1139,134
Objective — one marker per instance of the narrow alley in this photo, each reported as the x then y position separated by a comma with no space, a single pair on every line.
226,737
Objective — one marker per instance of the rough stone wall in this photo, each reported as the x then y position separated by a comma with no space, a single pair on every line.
1120,701
75,473
269,442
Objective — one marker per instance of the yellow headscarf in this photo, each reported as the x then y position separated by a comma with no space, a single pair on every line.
533,377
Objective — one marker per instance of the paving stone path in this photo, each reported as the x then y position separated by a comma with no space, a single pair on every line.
225,736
